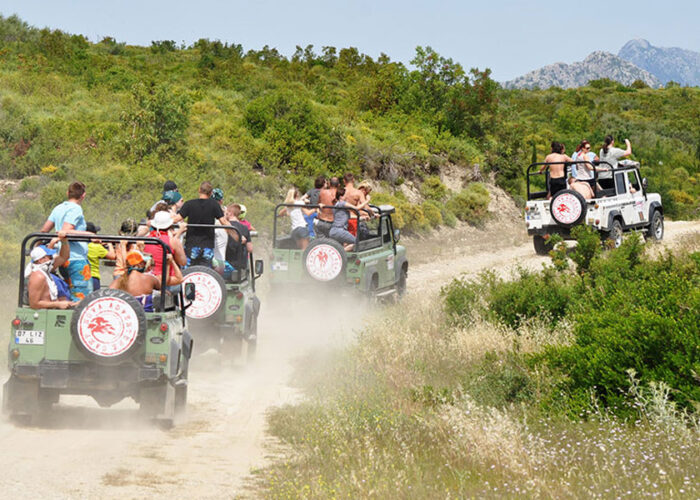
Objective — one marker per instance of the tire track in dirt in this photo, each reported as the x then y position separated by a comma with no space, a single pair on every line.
87,451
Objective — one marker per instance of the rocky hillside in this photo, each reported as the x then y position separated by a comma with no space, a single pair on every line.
597,65
667,64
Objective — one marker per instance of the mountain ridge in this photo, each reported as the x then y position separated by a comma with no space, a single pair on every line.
666,63
597,65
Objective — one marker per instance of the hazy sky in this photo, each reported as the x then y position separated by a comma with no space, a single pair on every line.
510,37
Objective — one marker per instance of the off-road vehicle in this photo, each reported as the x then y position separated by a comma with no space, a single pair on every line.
376,267
108,347
225,310
620,203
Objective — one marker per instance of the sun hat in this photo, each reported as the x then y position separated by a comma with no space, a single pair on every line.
162,220
243,211
40,252
169,186
217,194
171,197
90,227
135,258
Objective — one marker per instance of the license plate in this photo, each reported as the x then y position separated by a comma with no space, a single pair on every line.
279,266
33,337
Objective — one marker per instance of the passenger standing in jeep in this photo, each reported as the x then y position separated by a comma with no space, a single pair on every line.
556,161
327,197
199,241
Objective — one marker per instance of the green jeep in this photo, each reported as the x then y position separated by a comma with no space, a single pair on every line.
376,267
225,310
108,348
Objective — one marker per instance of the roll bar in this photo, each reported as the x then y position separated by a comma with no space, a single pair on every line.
567,165
34,237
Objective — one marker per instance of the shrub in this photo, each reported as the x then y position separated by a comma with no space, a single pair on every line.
470,204
433,188
432,213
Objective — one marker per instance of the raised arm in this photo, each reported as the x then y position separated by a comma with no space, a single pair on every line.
628,151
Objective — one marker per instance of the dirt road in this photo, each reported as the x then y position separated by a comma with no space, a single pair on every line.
87,451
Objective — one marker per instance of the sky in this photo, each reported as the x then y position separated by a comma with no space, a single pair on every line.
510,37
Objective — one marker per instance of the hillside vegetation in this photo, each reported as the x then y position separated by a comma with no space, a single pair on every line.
123,119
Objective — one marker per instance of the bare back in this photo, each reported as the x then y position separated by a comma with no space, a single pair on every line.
556,167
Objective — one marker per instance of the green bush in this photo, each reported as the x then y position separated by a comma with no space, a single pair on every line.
432,213
470,204
433,188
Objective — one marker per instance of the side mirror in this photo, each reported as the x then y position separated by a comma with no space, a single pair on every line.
397,235
190,291
645,183
259,266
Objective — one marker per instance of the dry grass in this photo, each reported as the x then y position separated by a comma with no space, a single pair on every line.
418,410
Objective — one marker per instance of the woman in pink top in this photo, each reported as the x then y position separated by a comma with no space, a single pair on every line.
161,225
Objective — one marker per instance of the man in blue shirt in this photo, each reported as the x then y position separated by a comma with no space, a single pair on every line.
68,217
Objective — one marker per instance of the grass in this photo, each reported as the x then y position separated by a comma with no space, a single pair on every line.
416,409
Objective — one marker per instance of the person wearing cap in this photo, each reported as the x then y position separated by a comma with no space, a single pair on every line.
199,242
128,228
242,218
68,216
138,280
45,289
96,252
162,229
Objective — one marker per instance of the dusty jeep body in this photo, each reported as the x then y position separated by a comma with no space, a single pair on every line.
377,266
621,203
108,347
224,313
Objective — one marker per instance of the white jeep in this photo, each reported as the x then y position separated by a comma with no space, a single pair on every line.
620,203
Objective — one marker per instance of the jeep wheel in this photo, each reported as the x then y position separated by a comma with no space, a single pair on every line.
401,284
656,228
210,293
568,208
108,326
541,246
615,234
324,261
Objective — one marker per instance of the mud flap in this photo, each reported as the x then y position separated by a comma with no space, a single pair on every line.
20,397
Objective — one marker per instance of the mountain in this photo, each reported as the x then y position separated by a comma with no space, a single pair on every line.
679,65
597,65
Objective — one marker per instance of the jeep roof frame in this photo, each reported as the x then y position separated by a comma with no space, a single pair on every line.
36,237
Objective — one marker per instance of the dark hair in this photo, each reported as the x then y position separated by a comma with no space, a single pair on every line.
340,192
557,147
319,182
76,190
206,188
335,182
348,178
128,227
582,145
607,142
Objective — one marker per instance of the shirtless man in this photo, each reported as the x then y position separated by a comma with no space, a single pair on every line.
354,197
326,197
557,168
42,289
138,281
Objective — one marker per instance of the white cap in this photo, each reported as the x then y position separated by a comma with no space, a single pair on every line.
40,252
162,220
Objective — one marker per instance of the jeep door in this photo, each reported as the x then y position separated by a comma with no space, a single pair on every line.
624,198
640,214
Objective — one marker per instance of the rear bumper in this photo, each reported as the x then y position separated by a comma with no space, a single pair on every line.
564,232
86,377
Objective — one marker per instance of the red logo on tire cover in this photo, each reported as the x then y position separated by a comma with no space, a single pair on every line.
108,326
324,262
208,295
567,208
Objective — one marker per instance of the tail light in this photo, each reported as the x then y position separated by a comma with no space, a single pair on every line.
163,327
16,322
163,358
358,262
239,319
239,295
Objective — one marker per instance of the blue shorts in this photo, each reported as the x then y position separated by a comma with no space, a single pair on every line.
200,256
342,235
79,279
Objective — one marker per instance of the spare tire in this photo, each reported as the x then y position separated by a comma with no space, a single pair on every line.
108,326
210,292
325,261
568,208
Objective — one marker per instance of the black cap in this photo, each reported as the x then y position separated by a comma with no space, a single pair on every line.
169,186
90,227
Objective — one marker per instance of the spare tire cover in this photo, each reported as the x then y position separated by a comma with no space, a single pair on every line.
210,292
568,208
108,325
325,260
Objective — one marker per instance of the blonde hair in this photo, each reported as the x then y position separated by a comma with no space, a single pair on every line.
292,195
